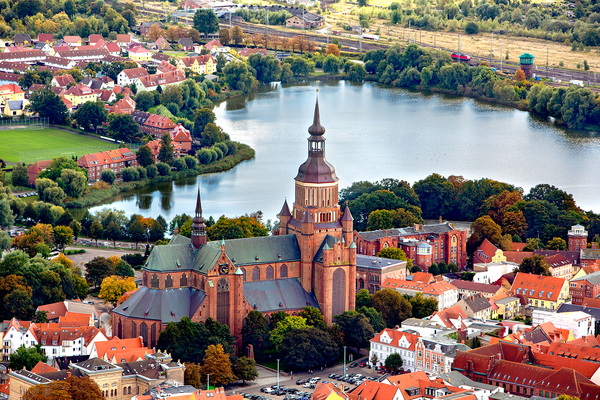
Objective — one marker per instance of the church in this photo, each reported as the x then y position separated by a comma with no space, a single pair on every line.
310,262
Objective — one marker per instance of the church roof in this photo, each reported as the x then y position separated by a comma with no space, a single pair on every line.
327,243
278,295
260,250
165,305
180,239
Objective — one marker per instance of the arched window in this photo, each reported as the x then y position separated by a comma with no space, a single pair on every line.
183,280
361,283
255,274
338,295
243,274
169,282
129,390
223,301
154,282
120,329
270,272
124,390
144,334
145,279
133,330
283,271
153,335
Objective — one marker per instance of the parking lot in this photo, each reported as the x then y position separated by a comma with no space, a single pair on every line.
300,386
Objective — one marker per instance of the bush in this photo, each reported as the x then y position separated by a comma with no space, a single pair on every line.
471,28
71,252
173,108
134,259
231,147
224,148
130,174
218,151
180,165
204,156
108,176
151,171
163,169
142,172
190,161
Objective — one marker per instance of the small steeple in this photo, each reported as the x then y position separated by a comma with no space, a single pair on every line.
198,203
285,210
316,129
198,226
347,215
307,219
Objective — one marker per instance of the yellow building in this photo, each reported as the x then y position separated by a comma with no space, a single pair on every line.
80,94
15,108
140,54
11,92
508,307
541,291
201,65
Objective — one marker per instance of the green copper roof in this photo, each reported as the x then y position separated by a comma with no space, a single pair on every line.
327,244
260,250
526,55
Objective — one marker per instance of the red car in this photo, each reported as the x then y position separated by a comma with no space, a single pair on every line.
362,365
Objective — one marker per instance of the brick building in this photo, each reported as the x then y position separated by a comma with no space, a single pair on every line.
115,160
372,271
312,261
424,244
587,286
577,238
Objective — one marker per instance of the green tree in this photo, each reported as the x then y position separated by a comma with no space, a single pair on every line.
202,117
165,154
63,236
234,228
108,176
245,369
177,336
27,357
357,73
123,127
395,254
136,231
96,231
74,182
267,67
393,362
91,114
97,269
19,175
113,232
144,156
356,328
422,306
5,241
56,167
364,299
483,228
255,331
6,215
48,105
557,244
375,318
206,21
536,265
76,228
394,307
290,323
308,348
471,28
238,77
313,317
144,100
332,64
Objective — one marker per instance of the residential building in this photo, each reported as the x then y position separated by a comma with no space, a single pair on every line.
124,106
115,160
587,286
447,243
80,94
491,272
72,41
155,145
159,58
120,350
11,92
508,307
66,341
45,47
162,79
372,271
54,311
390,341
577,238
21,39
28,56
16,334
445,293
114,50
15,108
306,20
573,256
157,125
161,43
560,266
436,355
201,65
131,76
34,170
246,52
45,38
488,253
82,55
13,67
541,291
59,62
145,26
185,44
476,306
580,323
451,317
183,137
590,257
95,38
63,80
123,40
425,327
140,54
468,288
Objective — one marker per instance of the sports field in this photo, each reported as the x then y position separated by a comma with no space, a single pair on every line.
43,144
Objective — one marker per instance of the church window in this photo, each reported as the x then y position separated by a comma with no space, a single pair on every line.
338,295
256,274
154,282
144,333
243,274
120,329
223,301
361,283
169,281
183,282
270,272
283,271
153,335
133,329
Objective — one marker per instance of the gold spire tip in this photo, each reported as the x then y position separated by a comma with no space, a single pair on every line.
317,90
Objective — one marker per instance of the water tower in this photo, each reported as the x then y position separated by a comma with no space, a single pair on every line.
526,61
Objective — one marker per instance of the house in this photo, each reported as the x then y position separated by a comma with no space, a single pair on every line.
45,38
132,75
80,94
45,47
113,49
579,323
83,55
59,62
95,38
93,83
15,108
34,170
15,49
16,334
541,291
159,58
145,26
11,92
152,82
63,80
161,43
587,286
451,317
21,39
157,125
140,116
186,44
124,106
560,266
445,293
371,271
13,67
246,52
508,307
487,253
120,350
154,146
468,288
60,309
64,341
491,272
390,341
202,65
140,54
28,56
6,78
67,102
183,137
476,306
72,41
306,20
123,40
214,47
436,355
115,160
165,66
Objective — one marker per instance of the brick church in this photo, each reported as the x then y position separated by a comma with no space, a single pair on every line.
311,262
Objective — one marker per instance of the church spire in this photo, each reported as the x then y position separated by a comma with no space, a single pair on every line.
316,129
198,226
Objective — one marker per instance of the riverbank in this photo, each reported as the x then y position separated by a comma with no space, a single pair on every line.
97,196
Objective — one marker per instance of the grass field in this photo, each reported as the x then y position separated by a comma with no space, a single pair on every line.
43,144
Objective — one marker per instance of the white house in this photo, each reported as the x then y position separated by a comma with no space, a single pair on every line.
579,322
445,293
131,75
16,334
489,273
68,341
391,341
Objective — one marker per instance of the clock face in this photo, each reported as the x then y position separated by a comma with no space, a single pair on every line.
223,269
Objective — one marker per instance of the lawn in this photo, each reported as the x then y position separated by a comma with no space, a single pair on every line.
44,144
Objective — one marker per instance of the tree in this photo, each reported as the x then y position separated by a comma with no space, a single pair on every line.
393,362
74,182
255,331
375,318
520,75
113,232
422,307
96,231
362,3
123,127
332,64
108,176
113,287
124,269
19,175
63,236
144,100
557,244
357,73
536,265
237,35
27,357
192,375
471,28
206,21
202,117
165,153
313,317
72,388
356,328
5,241
363,299
267,67
144,156
91,114
238,77
56,167
332,49
6,215
394,307
395,254
136,231
308,348
212,134
76,228
48,105
218,365
235,228
97,269
483,228
224,36
245,369
289,324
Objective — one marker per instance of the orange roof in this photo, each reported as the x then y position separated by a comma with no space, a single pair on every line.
10,88
41,367
514,246
212,43
72,39
370,390
484,252
54,310
106,157
140,49
397,337
517,256
114,346
448,314
538,287
434,288
423,277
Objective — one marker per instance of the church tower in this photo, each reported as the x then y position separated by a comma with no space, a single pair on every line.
324,233
198,226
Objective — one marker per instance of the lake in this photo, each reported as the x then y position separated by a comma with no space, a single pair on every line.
373,132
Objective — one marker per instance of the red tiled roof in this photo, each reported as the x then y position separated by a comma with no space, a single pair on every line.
423,277
448,314
123,38
95,38
45,37
135,72
112,47
42,367
139,49
396,337
212,43
537,286
105,157
246,52
54,310
434,288
72,39
79,90
64,80
557,260
476,286
165,78
484,252
517,256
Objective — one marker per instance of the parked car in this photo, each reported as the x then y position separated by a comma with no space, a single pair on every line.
300,382
353,364
362,364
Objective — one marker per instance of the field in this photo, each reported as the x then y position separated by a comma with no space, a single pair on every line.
43,144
